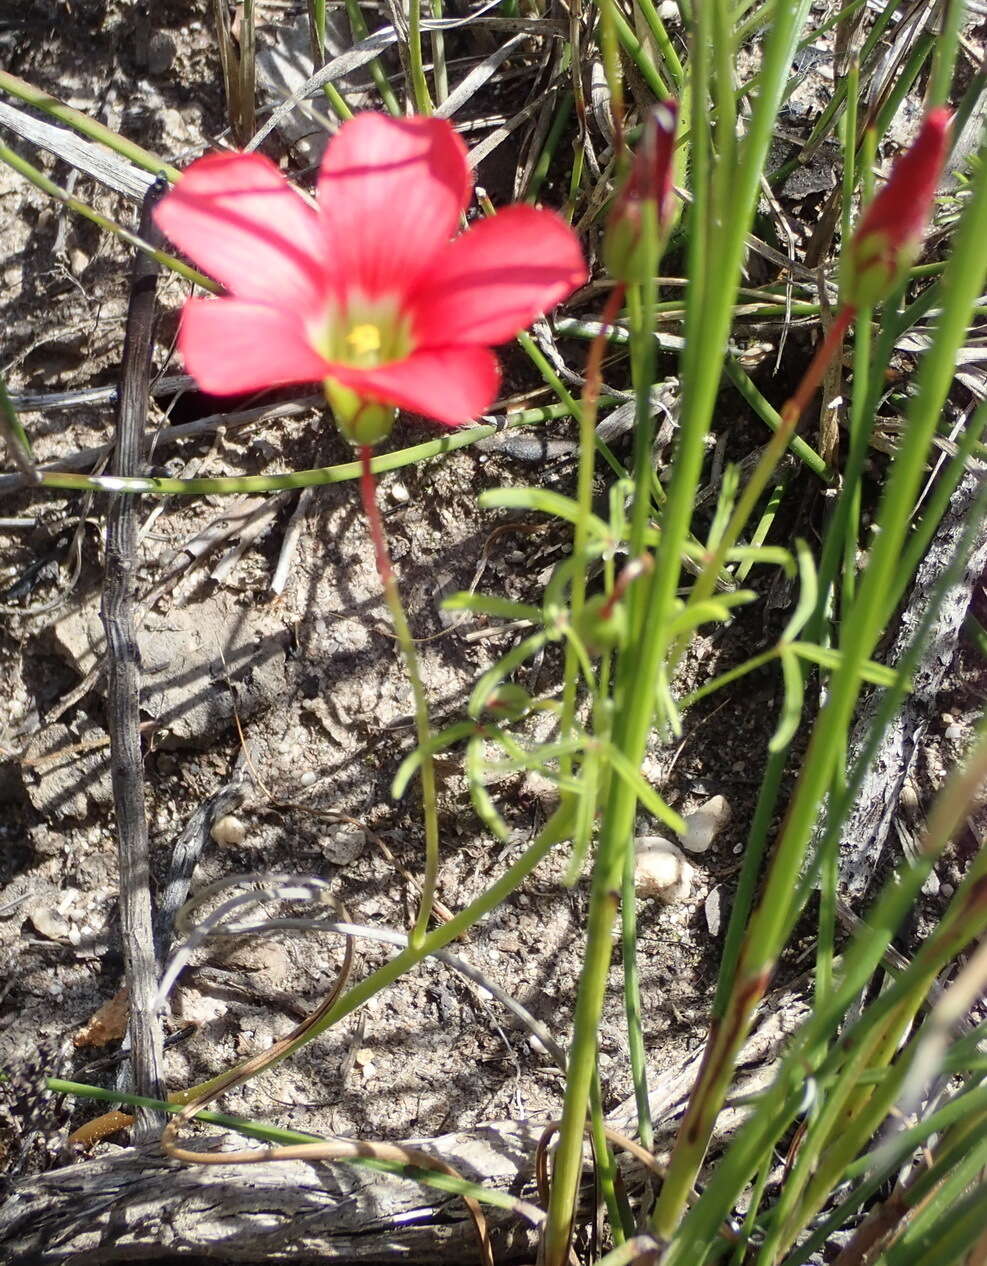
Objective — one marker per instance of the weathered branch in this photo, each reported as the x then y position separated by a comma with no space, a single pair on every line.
123,691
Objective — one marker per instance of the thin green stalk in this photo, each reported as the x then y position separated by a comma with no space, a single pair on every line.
905,82
862,626
632,1004
42,182
772,418
824,123
423,729
419,84
662,41
772,454
641,299
959,1228
637,51
850,150
319,477
317,23
854,1112
607,1172
287,1138
861,959
438,41
337,102
560,121
360,31
611,853
15,437
877,1166
635,705
88,127
944,56
859,437
764,524
584,495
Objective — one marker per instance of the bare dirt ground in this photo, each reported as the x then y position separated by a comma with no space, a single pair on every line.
308,686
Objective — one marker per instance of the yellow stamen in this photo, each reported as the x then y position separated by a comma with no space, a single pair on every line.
364,339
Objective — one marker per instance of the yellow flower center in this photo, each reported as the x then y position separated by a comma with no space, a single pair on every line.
365,340
364,333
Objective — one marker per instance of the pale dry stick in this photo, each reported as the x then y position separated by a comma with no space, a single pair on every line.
123,690
323,1151
75,552
41,401
339,1149
111,1122
289,542
288,887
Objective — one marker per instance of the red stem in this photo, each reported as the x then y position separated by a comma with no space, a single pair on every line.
827,349
594,359
368,494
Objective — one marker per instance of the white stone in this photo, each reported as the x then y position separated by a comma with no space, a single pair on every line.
661,870
705,823
711,907
228,830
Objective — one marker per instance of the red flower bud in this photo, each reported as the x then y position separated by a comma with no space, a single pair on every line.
649,182
889,235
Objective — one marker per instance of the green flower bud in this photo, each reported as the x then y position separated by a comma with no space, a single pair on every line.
602,624
362,421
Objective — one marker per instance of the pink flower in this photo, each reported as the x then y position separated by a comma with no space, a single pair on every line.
888,237
367,292
625,246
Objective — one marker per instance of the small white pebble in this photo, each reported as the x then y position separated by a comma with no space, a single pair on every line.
711,906
954,732
661,870
705,823
308,778
536,1044
228,830
399,492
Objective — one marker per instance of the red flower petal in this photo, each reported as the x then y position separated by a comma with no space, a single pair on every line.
241,221
902,205
230,346
451,384
391,192
495,279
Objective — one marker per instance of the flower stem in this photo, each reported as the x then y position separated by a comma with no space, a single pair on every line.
772,454
423,731
587,460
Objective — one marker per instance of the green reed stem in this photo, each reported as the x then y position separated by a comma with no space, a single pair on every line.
423,729
42,182
419,84
439,72
15,437
584,497
360,31
141,157
318,477
862,957
861,628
